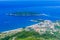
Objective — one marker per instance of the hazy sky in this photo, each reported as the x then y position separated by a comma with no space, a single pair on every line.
29,0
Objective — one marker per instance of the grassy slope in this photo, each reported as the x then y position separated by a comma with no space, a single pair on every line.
33,38
31,35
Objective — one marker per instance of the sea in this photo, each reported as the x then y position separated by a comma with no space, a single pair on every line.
50,9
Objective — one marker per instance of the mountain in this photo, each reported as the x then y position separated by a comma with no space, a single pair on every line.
45,30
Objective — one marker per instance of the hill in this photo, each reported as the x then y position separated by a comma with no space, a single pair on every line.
46,30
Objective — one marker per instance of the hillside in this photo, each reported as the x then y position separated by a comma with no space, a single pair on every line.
32,35
46,30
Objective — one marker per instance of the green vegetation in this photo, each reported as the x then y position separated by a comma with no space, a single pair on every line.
33,38
25,14
36,36
32,35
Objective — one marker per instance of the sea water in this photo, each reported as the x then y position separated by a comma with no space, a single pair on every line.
51,11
